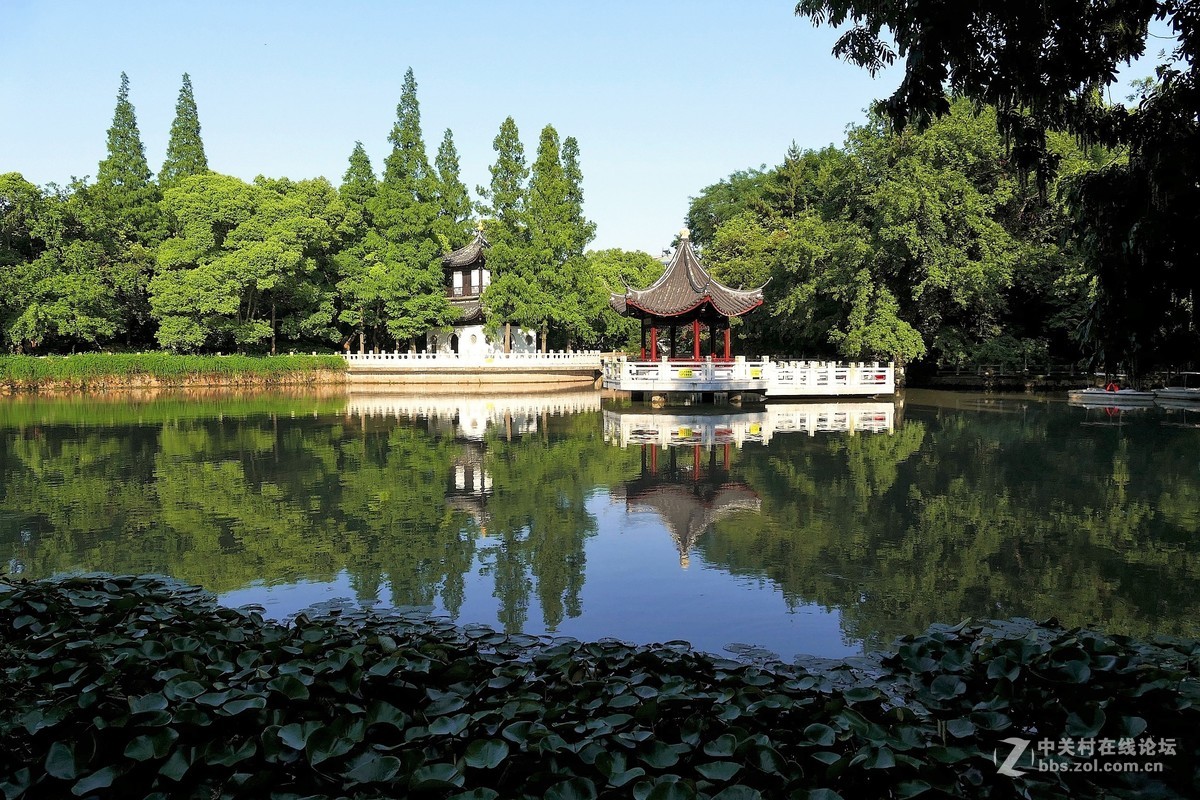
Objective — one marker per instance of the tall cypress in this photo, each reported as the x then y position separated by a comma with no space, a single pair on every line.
125,167
359,184
359,292
454,201
404,212
185,149
505,196
131,224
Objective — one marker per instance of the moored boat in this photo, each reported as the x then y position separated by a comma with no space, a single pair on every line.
1184,393
1110,398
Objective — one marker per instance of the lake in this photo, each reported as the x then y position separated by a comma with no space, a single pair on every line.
818,529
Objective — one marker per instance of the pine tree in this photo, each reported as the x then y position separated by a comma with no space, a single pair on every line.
454,201
359,184
125,165
124,221
505,197
185,149
512,296
360,289
404,240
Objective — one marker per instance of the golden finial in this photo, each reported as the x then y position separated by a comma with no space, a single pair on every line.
684,233
479,225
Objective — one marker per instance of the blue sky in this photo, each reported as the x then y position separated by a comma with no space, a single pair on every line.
665,98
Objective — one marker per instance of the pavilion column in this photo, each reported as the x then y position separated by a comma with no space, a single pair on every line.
727,343
695,340
672,341
653,342
643,324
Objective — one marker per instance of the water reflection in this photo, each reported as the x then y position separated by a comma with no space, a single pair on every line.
812,528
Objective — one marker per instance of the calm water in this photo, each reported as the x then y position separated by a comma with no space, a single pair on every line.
818,529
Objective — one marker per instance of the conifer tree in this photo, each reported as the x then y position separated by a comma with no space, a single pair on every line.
123,221
512,297
454,201
505,196
125,165
404,240
359,183
361,280
582,229
185,149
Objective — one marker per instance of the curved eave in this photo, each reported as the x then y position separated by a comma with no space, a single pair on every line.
628,302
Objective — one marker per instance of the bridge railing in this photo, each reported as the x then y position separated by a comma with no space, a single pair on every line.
783,377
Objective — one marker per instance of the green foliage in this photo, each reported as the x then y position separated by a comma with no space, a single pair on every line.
610,271
903,244
454,201
193,699
185,148
246,260
402,247
92,369
1045,69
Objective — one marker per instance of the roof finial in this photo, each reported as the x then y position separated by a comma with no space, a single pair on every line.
479,225
684,233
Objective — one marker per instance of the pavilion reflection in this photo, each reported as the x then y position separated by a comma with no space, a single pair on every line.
689,495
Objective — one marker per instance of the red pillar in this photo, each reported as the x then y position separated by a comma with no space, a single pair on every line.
653,459
654,343
695,462
727,344
727,456
696,340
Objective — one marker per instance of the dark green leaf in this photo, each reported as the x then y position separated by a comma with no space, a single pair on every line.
486,753
719,770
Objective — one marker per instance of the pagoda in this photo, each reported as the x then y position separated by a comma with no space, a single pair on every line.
466,277
685,294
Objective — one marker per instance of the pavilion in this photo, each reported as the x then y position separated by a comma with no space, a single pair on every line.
685,294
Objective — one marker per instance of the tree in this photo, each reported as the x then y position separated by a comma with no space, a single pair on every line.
1045,67
120,218
247,261
185,149
403,241
360,278
454,201
610,271
511,297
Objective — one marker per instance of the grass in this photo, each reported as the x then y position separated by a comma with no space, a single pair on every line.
101,369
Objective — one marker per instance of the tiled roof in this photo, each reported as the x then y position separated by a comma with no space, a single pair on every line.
468,254
472,311
683,288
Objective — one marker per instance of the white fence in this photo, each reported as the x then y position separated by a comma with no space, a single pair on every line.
771,378
432,361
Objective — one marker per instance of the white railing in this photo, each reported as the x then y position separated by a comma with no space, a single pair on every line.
772,378
558,358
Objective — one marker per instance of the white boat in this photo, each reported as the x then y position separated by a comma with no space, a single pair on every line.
1109,398
1184,393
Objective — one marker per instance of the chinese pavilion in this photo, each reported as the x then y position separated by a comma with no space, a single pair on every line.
685,294
467,275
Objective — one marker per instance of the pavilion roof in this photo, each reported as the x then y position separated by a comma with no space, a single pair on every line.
472,309
470,253
686,289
